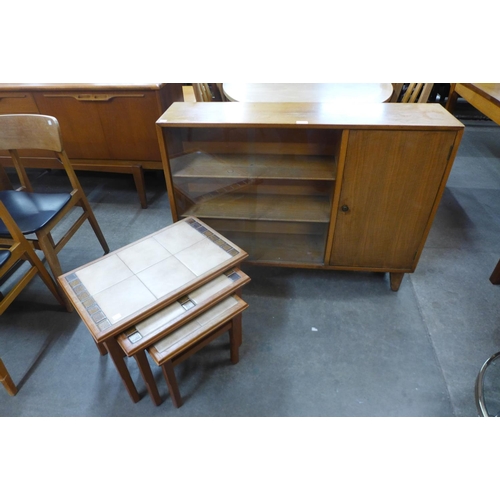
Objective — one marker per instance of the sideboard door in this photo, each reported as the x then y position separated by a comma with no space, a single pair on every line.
391,184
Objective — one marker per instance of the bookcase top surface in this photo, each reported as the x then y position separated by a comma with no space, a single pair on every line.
308,115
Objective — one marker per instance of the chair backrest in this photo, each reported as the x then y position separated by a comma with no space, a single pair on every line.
30,132
202,92
26,131
396,91
417,92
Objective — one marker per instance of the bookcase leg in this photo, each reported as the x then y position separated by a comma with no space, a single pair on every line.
396,279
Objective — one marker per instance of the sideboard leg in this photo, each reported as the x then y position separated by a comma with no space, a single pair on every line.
138,174
495,275
396,279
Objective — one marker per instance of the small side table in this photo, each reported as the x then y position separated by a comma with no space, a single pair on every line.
129,285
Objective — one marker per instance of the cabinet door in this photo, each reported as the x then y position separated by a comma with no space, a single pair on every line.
390,184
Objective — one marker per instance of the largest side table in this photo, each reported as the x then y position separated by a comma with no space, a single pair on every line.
129,285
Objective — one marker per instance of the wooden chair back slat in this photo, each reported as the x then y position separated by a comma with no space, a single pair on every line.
202,92
24,131
417,92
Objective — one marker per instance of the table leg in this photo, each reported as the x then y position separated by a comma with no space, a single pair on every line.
173,388
101,348
235,338
117,356
147,376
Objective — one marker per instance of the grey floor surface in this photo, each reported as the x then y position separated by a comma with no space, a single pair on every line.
316,343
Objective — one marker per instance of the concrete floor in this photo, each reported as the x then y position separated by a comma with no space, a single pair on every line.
315,343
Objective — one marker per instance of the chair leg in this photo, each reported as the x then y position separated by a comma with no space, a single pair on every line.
47,279
147,376
6,380
46,243
95,225
173,388
235,338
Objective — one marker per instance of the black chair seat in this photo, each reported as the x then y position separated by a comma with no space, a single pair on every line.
31,211
4,257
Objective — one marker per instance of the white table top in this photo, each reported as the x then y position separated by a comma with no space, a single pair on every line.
309,92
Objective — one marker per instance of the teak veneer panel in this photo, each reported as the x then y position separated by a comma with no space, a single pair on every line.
390,184
308,116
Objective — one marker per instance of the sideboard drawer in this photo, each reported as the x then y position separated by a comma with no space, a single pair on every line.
17,102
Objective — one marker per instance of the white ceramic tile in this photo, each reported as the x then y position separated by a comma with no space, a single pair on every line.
177,336
166,276
103,274
143,255
178,237
210,289
202,256
217,310
160,319
123,299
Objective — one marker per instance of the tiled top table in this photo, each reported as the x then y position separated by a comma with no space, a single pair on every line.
131,284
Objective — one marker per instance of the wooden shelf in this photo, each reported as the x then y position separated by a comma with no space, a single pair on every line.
300,167
263,207
286,249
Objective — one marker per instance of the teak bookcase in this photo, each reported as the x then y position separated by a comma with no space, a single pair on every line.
312,185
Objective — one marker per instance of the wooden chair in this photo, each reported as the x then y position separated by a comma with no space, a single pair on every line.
20,249
6,380
37,214
202,92
417,92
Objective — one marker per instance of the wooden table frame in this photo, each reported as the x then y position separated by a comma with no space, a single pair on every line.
486,98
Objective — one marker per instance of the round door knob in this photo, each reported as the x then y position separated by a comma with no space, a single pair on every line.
345,208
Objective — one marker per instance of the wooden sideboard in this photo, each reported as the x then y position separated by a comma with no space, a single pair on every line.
312,185
105,127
